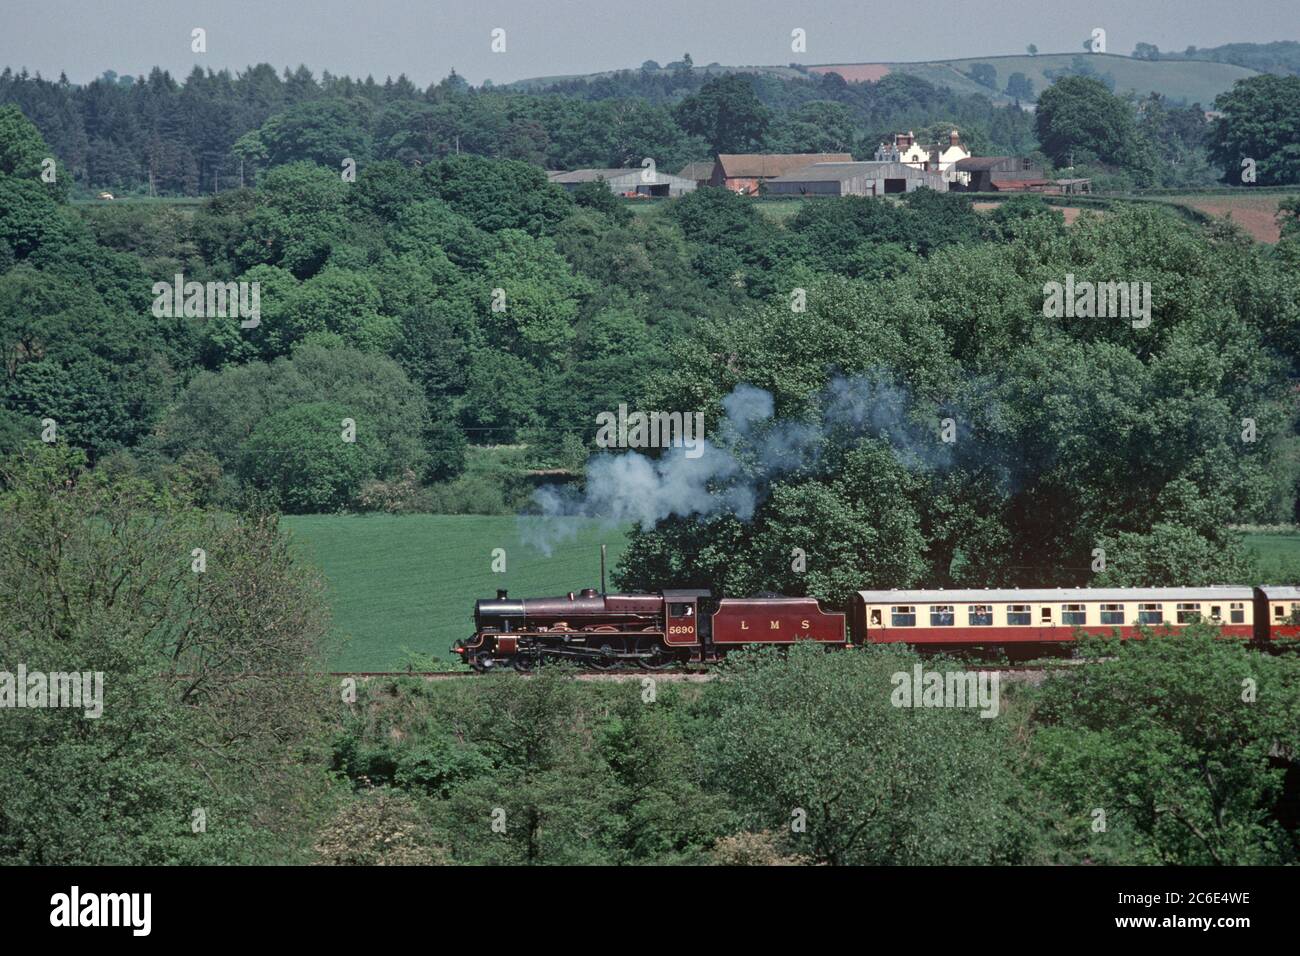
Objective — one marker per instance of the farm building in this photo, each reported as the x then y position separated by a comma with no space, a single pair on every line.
938,157
1070,187
1001,174
700,172
745,172
855,179
625,182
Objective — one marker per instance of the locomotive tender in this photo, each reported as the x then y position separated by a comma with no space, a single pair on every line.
674,627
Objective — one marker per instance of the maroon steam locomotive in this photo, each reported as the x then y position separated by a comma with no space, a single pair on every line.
674,627
653,631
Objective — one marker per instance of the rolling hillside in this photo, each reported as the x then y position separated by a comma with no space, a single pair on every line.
1190,81
1182,81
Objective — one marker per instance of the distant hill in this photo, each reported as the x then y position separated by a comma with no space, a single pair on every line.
1181,81
1281,57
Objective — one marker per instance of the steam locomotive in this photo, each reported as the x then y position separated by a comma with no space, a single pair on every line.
674,627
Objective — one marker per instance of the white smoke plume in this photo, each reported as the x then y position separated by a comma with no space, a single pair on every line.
748,452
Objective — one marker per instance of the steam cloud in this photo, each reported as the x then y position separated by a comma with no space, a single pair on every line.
750,451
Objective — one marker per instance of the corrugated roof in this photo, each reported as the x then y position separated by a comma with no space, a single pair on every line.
587,175
972,163
767,165
696,171
829,172
1053,595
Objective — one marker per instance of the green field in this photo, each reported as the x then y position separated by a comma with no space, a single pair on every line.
1278,556
406,585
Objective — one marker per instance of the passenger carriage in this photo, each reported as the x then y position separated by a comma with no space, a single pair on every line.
1051,615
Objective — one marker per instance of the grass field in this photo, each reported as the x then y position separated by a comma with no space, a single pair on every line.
406,585
1278,556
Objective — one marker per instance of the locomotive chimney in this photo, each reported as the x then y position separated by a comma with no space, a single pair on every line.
501,594
602,569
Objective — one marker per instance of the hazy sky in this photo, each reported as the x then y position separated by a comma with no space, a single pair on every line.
426,38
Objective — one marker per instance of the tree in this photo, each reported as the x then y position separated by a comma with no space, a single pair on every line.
218,412
984,74
1146,51
324,132
1020,87
726,113
1032,50
1172,555
1260,123
500,194
299,217
1078,117
811,739
345,303
597,195
1172,739
551,797
209,727
301,457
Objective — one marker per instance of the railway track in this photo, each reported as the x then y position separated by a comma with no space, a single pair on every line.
1029,674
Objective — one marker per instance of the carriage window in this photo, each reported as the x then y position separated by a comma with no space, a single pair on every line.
981,615
1018,615
1151,614
1277,611
1237,613
1187,613
902,616
941,616
1074,615
1112,614
875,617
1216,613
1046,614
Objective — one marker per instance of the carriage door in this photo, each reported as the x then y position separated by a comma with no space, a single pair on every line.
683,621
